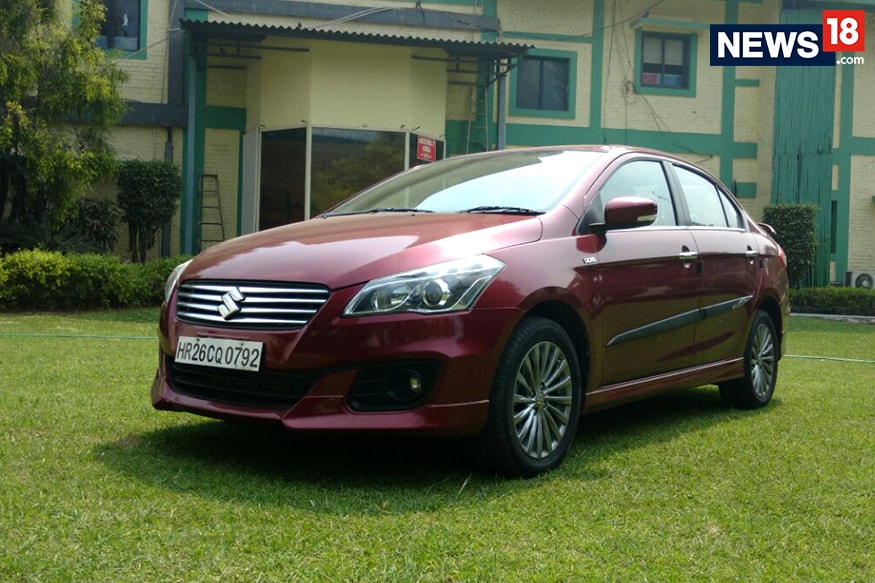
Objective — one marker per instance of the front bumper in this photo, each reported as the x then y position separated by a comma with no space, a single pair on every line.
325,363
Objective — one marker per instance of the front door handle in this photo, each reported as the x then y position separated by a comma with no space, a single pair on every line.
688,255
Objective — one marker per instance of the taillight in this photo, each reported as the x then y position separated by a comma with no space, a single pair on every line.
782,256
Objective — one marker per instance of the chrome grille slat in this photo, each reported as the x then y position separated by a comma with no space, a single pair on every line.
267,311
272,290
208,298
247,322
264,305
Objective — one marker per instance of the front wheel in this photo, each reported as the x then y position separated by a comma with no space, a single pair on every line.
755,388
535,401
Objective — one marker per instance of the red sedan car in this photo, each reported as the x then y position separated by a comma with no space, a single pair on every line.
496,296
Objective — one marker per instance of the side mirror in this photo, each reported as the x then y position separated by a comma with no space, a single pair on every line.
627,212
768,229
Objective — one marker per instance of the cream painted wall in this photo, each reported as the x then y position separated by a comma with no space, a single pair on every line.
227,87
864,86
624,107
570,17
756,106
147,78
132,143
861,209
221,156
348,85
283,89
427,92
861,246
565,17
253,95
378,87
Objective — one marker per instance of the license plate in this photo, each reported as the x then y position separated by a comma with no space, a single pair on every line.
220,353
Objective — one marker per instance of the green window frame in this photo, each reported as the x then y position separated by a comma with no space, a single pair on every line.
665,63
131,41
544,84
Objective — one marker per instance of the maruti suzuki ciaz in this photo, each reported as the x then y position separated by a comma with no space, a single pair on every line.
495,296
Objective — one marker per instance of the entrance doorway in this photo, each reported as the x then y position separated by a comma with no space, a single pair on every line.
341,163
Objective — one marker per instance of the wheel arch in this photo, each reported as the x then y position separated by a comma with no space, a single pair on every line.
570,321
770,306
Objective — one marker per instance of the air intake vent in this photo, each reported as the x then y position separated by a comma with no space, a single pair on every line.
273,389
250,305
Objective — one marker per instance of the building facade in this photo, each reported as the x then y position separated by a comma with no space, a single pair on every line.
277,109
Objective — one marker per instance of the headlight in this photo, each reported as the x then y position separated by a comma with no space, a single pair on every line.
446,287
173,278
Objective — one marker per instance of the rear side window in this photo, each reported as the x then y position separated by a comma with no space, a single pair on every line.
708,205
644,178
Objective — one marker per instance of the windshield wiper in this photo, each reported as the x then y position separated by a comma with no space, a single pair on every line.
393,209
510,210
382,209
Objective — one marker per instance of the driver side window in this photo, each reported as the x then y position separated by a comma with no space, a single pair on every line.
642,178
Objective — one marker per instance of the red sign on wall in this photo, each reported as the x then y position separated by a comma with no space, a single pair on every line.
426,149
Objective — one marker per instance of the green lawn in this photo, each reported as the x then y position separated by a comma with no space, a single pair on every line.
98,486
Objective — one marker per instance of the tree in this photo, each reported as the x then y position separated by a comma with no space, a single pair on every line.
59,98
148,191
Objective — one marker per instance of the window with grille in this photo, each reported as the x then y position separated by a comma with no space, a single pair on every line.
665,61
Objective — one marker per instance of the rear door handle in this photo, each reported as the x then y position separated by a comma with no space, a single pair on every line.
751,253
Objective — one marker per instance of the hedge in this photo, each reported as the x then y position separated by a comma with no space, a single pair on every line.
48,280
846,301
795,228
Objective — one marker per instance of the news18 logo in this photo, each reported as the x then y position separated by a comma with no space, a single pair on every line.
789,44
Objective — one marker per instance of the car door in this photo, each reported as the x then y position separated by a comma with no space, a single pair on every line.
728,262
647,279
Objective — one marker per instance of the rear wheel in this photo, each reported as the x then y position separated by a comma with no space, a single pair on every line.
756,387
535,401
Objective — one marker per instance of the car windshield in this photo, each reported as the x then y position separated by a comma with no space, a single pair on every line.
524,182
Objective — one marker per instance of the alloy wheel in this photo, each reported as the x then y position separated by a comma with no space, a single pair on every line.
542,399
762,361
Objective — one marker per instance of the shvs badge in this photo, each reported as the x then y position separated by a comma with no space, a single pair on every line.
789,44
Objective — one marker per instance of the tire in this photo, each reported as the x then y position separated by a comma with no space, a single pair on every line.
756,387
534,403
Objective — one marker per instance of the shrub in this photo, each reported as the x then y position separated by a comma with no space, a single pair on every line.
41,234
795,228
48,280
833,300
96,220
35,279
147,193
153,275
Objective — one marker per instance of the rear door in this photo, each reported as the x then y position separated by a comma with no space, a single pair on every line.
648,280
729,265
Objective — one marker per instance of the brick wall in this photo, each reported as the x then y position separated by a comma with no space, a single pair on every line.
221,155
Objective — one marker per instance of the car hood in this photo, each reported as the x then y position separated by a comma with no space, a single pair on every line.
341,251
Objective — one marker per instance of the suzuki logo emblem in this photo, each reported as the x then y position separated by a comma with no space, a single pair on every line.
229,306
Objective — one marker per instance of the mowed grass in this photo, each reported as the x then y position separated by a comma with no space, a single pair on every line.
98,486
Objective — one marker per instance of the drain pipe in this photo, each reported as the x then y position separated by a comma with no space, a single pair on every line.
165,228
501,88
188,194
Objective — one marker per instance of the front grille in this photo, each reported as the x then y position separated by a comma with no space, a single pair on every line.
272,389
250,305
